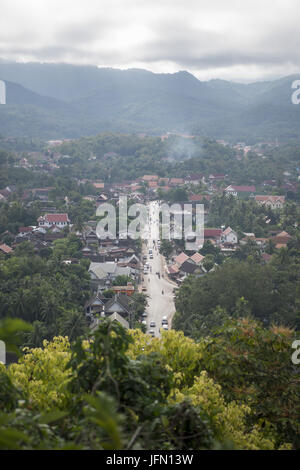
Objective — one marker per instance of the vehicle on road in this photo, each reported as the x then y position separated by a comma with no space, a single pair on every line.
152,324
151,333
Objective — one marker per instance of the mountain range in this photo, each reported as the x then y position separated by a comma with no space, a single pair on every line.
52,101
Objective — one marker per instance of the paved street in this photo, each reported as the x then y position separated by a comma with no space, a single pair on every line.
159,290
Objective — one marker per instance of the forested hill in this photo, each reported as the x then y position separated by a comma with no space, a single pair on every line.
59,100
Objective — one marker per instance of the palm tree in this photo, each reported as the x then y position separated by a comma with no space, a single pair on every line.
73,324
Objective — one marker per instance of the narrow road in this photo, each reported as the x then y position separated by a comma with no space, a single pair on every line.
159,290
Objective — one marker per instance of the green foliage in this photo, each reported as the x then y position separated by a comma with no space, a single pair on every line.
124,390
271,294
122,280
253,365
166,248
40,291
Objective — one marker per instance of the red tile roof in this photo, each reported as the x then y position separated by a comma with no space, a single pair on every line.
173,269
6,249
25,229
180,259
212,232
150,178
197,258
56,218
199,197
273,199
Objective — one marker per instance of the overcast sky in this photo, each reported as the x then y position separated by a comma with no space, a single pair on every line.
241,40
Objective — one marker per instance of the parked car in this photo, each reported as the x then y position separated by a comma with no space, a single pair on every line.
151,333
145,314
152,324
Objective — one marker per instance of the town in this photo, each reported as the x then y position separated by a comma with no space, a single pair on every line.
132,281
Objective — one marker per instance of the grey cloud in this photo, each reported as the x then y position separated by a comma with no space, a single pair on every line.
195,34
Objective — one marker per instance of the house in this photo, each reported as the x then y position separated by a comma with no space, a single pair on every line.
147,178
95,305
91,237
281,239
5,193
153,184
273,202
103,274
194,179
213,234
99,185
197,258
120,304
126,290
201,198
5,249
176,182
235,191
25,230
229,236
3,196
102,198
185,265
173,271
118,318
41,193
180,259
189,268
60,220
219,177
113,317
54,233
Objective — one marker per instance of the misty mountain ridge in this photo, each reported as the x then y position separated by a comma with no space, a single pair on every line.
60,100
